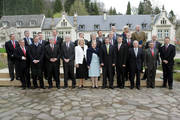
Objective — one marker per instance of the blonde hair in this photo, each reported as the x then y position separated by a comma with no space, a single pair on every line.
81,39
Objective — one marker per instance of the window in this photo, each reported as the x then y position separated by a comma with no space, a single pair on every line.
61,34
96,27
34,33
144,25
68,33
166,33
47,35
32,23
112,24
5,23
81,27
160,34
63,23
129,25
163,21
19,23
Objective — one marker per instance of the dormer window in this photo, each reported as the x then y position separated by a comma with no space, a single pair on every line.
5,23
63,23
129,25
163,21
144,25
19,23
81,27
32,22
96,27
112,24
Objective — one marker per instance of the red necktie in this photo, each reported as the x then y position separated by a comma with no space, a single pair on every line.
24,51
54,40
129,42
152,52
14,44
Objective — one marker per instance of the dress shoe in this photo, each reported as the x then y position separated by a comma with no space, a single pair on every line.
143,78
170,88
12,79
64,87
138,88
58,87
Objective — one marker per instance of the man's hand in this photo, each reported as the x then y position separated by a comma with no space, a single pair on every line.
165,61
140,46
88,67
35,61
102,64
124,65
23,58
77,65
113,64
66,60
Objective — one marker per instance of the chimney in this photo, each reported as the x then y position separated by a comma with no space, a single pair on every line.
75,19
105,16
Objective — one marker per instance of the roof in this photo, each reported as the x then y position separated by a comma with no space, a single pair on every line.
25,19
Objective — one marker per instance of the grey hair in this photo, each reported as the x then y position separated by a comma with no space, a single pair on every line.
135,41
67,36
26,31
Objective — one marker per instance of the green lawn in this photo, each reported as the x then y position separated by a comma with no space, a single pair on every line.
176,65
2,65
2,50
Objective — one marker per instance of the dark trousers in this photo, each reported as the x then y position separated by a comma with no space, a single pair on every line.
151,74
11,67
127,71
120,76
53,71
37,75
108,74
167,75
134,73
24,77
69,73
145,74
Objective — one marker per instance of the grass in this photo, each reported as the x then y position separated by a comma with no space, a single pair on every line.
2,50
2,65
177,76
176,65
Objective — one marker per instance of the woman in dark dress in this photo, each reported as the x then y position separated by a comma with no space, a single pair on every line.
80,61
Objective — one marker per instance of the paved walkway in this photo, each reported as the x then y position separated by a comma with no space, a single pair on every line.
90,104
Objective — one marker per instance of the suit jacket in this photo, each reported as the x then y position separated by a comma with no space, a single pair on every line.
135,62
168,54
157,45
107,59
98,43
151,61
76,42
22,64
124,37
68,53
80,54
101,39
27,42
10,49
55,53
140,36
36,53
121,55
44,43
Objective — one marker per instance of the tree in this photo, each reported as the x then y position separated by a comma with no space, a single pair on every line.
37,6
114,11
67,5
157,10
110,11
96,10
87,5
128,12
171,16
57,6
147,7
140,8
78,7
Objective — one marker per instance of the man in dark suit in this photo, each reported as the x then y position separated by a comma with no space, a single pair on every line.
167,54
151,57
36,60
10,47
22,60
43,43
100,36
121,52
68,56
156,45
115,34
93,38
57,40
135,63
81,35
113,41
52,54
107,60
28,40
124,34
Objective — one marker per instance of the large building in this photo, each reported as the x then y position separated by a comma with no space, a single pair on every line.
73,25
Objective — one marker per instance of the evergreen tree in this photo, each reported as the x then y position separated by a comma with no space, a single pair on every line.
147,7
157,10
128,12
140,8
87,5
171,16
67,5
110,11
114,11
57,6
96,10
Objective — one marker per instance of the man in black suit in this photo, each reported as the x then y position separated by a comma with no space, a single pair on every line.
135,63
121,52
167,54
36,60
57,40
112,40
22,60
156,45
10,47
115,34
52,54
81,35
43,43
28,40
93,38
107,60
68,56
100,36
124,34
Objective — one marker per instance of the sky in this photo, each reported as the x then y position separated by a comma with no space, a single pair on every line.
121,5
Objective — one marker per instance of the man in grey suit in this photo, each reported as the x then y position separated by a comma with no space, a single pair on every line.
151,57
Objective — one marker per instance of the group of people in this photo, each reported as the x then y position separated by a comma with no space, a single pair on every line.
123,55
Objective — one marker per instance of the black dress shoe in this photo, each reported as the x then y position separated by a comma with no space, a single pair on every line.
43,88
170,88
49,87
131,87
138,88
12,79
58,87
103,87
64,87
111,87
143,78
23,88
164,86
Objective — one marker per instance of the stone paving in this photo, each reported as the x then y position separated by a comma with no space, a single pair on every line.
90,104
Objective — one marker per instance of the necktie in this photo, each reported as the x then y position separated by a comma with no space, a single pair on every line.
52,47
55,40
14,44
24,51
152,52
166,47
129,42
107,47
